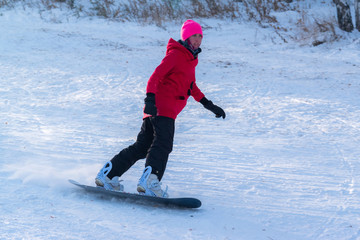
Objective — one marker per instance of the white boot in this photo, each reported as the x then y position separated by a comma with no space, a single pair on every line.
149,185
102,179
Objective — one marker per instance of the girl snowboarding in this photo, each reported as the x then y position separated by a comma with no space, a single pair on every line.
167,92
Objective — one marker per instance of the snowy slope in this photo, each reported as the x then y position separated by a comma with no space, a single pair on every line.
283,165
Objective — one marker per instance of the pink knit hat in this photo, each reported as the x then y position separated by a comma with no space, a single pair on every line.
190,28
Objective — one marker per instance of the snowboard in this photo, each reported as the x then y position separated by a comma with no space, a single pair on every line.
175,202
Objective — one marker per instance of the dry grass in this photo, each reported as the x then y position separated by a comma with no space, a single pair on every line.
160,11
318,31
259,10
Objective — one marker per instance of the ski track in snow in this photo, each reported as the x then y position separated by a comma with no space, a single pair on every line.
284,164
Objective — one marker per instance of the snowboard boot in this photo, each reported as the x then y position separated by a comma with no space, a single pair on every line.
149,185
102,179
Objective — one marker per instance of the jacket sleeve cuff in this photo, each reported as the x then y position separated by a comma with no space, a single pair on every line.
149,94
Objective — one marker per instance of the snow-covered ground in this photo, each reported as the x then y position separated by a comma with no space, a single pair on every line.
283,165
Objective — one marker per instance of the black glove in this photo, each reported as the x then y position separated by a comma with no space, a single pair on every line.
218,111
150,107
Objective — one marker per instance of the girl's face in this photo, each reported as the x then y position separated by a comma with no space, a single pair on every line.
195,40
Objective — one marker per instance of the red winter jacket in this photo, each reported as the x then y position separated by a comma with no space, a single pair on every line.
173,81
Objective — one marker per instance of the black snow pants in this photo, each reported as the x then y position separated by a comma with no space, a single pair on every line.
154,142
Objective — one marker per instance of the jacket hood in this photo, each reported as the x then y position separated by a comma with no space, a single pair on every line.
176,46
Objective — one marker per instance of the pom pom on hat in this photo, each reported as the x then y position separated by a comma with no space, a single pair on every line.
190,28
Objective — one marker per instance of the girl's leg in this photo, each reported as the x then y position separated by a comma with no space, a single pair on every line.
162,145
130,155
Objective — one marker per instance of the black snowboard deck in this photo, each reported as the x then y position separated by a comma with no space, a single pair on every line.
185,202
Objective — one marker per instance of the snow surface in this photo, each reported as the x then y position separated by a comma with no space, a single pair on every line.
283,165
